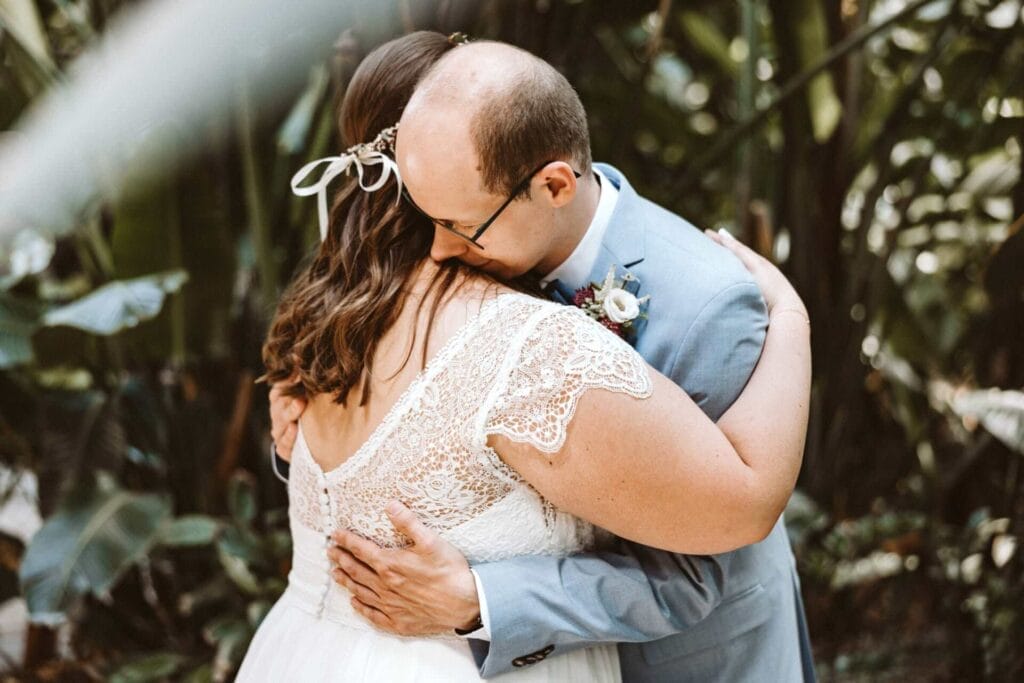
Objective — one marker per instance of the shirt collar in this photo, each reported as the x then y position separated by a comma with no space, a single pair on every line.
574,270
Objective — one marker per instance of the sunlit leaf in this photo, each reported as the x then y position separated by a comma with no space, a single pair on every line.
189,530
1001,413
296,128
118,305
825,107
995,173
706,37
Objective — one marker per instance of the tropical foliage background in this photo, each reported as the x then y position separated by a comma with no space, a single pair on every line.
871,147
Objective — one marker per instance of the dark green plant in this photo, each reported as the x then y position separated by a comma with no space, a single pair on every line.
873,148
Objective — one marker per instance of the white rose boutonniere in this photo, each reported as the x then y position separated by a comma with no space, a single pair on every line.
621,306
610,304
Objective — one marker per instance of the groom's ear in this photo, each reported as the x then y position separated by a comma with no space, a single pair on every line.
557,182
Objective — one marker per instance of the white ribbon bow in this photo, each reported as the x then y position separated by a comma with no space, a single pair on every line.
361,156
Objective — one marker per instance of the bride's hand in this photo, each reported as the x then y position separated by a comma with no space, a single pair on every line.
777,291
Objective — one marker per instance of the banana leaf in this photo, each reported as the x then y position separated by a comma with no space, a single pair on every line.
96,534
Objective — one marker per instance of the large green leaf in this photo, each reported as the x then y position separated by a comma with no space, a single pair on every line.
79,431
97,533
118,305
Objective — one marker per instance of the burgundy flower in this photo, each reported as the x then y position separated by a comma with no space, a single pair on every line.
581,296
613,326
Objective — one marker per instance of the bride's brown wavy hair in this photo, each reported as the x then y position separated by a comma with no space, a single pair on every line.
335,310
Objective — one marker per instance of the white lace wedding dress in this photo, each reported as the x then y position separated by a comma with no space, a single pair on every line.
517,369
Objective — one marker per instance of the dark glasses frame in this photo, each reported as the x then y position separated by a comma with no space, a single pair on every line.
472,239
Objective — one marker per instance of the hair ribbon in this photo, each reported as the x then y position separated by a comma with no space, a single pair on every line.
358,156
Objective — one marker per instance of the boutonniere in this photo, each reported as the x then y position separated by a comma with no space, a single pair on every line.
610,304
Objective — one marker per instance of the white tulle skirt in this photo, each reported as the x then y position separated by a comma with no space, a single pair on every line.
312,634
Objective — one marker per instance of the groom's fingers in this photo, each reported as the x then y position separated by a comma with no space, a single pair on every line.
364,594
357,572
364,550
374,616
403,519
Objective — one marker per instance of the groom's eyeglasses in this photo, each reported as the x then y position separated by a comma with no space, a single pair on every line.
471,233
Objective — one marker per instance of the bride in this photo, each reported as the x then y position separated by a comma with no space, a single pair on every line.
509,424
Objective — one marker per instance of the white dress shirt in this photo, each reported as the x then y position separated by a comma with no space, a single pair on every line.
573,271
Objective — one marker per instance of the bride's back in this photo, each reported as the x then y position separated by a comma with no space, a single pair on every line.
334,431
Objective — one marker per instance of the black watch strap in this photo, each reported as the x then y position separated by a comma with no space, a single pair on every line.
475,626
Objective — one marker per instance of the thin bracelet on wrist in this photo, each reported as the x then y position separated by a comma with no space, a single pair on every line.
790,310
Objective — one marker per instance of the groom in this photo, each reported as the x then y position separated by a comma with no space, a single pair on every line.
492,123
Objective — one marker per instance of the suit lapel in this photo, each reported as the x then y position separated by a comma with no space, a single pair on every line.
623,244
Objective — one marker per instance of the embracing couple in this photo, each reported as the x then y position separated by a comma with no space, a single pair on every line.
500,470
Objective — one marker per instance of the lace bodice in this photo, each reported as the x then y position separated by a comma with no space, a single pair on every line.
518,368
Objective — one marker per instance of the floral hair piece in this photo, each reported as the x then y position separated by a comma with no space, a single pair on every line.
377,152
458,38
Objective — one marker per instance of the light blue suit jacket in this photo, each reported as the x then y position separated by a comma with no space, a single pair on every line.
731,617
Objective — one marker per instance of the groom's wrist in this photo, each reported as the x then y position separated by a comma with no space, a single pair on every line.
470,616
477,628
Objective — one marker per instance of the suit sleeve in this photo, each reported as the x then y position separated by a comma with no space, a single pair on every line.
629,592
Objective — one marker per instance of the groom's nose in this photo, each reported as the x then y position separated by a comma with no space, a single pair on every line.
446,245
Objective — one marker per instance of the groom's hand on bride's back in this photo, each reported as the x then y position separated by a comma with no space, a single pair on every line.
423,589
284,419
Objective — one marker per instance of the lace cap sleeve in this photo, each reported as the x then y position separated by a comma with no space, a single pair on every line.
558,355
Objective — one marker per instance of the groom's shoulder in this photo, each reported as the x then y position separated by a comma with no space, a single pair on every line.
678,254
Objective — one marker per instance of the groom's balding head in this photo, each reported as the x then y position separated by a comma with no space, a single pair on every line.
503,106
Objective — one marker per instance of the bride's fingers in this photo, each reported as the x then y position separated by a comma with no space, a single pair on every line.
748,256
293,409
286,441
745,254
